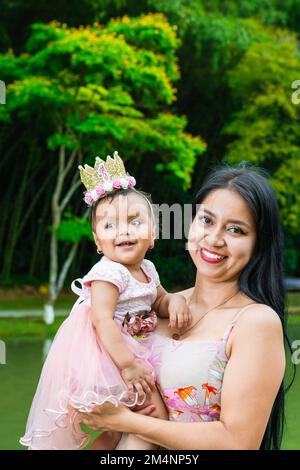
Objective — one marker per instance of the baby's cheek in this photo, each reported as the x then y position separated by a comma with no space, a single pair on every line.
144,233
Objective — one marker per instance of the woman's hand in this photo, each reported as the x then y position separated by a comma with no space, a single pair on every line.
106,417
179,313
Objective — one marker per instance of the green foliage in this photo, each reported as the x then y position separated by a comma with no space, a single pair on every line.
265,130
148,72
286,181
93,89
73,229
96,86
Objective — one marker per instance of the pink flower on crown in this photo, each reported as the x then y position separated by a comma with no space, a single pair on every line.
131,181
108,186
88,199
100,190
124,183
117,183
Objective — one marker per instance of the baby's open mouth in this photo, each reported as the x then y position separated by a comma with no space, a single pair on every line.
128,243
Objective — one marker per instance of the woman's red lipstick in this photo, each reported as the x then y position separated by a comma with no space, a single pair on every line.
211,260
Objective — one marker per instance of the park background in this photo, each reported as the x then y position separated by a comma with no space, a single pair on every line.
176,87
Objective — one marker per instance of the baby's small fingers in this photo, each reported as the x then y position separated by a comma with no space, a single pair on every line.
146,387
139,389
172,321
130,387
150,381
183,318
186,320
180,321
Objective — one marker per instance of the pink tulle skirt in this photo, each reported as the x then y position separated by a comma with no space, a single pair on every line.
78,374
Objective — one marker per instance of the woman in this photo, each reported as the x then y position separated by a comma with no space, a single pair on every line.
222,379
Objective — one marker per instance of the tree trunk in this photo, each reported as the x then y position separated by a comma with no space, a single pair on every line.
16,217
39,235
56,218
57,206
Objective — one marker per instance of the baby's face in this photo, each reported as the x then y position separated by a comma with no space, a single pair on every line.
124,229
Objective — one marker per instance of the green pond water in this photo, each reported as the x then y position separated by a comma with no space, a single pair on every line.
20,374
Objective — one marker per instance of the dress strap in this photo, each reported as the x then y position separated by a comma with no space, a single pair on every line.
235,319
77,290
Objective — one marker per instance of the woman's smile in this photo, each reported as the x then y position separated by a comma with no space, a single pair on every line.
211,256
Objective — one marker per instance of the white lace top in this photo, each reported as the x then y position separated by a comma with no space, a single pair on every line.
134,296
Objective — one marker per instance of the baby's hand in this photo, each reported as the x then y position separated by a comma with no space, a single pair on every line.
179,313
138,379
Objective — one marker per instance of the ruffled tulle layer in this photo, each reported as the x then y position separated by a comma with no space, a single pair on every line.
77,374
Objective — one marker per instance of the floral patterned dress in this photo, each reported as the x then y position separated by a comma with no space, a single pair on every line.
190,375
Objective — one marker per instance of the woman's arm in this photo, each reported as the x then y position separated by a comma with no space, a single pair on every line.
251,382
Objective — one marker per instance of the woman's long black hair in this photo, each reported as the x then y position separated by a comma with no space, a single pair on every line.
263,277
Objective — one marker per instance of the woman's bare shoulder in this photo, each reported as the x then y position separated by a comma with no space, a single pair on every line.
259,319
258,323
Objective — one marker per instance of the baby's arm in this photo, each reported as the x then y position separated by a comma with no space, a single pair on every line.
104,297
172,306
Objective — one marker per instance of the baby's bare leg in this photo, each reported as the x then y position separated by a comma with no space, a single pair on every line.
108,440
133,442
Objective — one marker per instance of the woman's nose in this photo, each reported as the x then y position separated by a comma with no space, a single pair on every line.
215,238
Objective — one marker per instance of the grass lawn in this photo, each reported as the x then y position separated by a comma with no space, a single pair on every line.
28,327
294,302
35,303
35,326
25,337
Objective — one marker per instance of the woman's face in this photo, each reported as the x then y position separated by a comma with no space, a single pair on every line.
222,236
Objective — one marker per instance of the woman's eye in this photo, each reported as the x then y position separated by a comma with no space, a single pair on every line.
109,225
205,220
136,222
237,230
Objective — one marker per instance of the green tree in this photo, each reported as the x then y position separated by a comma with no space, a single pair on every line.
265,129
98,88
215,38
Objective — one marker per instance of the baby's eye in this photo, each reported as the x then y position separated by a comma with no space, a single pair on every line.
136,222
109,225
236,230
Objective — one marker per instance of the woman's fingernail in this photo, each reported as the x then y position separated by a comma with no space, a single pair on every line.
152,408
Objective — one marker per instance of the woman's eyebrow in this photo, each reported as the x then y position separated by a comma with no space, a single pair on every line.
234,221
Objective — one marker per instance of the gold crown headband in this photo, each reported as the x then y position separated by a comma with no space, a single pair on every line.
104,178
